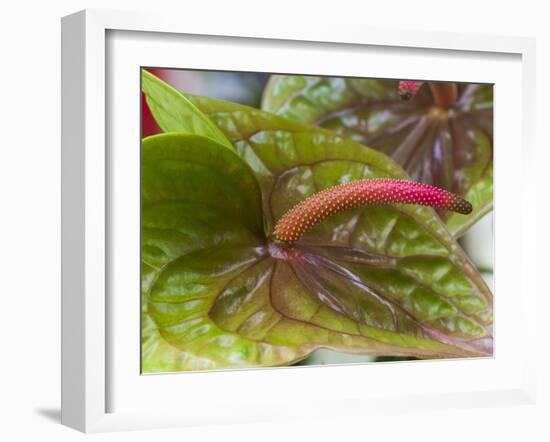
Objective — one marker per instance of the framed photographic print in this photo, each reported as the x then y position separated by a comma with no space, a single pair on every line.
249,215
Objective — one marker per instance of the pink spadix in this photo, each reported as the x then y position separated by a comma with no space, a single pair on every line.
408,88
378,191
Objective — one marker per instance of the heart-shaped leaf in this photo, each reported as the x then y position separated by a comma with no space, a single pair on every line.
451,148
201,221
218,293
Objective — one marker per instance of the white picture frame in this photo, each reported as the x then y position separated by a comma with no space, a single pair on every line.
87,203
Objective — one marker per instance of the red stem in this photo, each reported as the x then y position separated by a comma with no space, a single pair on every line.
444,94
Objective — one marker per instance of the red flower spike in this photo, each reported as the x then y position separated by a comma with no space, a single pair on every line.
311,211
408,89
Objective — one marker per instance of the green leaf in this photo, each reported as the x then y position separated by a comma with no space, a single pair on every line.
197,196
452,150
174,113
381,280
292,161
479,193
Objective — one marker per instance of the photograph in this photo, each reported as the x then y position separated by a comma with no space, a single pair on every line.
311,220
280,222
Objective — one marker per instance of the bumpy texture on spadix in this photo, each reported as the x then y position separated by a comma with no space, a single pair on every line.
310,212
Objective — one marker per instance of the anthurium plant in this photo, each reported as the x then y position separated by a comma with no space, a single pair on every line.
265,237
440,133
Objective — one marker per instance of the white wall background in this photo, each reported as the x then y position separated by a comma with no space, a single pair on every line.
30,219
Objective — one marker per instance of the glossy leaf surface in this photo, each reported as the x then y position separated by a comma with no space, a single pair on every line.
217,294
174,113
450,149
